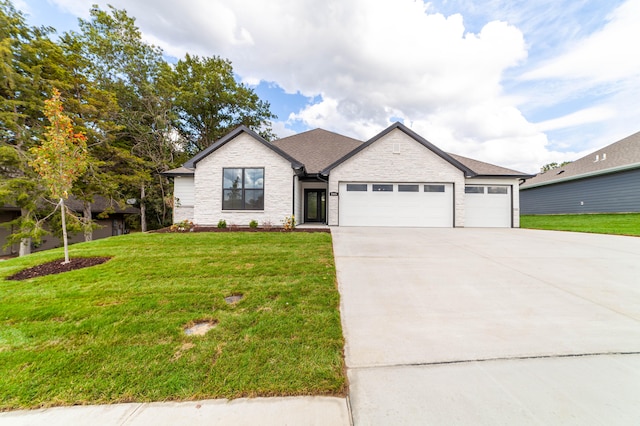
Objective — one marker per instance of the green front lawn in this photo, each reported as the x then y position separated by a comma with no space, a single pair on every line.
115,332
622,224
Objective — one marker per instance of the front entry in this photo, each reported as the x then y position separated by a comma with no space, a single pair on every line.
315,202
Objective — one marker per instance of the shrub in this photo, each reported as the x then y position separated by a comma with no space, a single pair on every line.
289,223
184,226
267,225
222,223
253,224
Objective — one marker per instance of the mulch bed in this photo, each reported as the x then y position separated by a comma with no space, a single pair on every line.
57,267
240,229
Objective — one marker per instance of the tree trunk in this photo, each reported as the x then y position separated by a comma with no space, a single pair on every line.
64,232
164,205
25,243
143,212
86,219
25,247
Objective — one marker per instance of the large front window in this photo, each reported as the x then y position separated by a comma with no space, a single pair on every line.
243,189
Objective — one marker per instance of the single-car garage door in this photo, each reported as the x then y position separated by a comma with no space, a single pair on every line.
487,206
396,204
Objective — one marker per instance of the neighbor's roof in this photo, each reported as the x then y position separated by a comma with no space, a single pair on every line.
481,168
101,204
318,148
621,155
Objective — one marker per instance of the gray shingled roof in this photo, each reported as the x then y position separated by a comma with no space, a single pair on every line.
180,171
99,205
481,168
621,155
318,148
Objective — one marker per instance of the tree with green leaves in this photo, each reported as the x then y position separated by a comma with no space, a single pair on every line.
552,166
141,116
132,70
61,158
28,69
94,112
209,103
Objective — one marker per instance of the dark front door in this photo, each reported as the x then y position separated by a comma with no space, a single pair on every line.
315,201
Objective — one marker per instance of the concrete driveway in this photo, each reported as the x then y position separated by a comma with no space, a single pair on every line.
490,326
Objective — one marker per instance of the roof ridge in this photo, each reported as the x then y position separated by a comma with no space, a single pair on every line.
315,130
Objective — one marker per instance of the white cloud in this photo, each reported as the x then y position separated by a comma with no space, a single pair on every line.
79,8
280,129
22,6
607,55
588,115
370,61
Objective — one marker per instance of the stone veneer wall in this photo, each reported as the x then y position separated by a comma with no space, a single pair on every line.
243,151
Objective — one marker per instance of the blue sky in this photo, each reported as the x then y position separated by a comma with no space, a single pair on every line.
513,82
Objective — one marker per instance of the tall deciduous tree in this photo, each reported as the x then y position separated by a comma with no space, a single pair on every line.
210,102
28,68
61,158
94,112
123,64
141,116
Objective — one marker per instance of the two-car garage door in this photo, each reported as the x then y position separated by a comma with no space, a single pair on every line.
422,205
396,204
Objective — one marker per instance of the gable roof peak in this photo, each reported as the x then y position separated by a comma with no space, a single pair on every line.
191,163
399,126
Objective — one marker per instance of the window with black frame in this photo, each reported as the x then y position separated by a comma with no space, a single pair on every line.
243,189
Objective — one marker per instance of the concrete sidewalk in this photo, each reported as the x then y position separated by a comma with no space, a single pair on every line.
318,411
490,326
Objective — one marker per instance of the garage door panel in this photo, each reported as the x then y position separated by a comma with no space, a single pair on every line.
487,206
395,208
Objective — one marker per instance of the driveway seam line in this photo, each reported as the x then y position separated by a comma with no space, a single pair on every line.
515,358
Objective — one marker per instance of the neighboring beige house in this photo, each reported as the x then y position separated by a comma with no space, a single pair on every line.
397,178
113,224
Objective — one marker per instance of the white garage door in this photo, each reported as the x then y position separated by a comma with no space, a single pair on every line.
396,204
487,206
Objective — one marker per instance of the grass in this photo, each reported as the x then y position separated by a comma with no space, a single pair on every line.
115,332
617,224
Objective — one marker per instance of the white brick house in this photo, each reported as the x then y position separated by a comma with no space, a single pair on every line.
397,178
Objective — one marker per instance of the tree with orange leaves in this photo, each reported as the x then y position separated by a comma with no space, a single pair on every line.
61,158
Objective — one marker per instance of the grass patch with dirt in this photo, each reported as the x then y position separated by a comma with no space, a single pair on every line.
115,332
617,224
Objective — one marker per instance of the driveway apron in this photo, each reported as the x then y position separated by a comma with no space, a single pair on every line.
490,326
